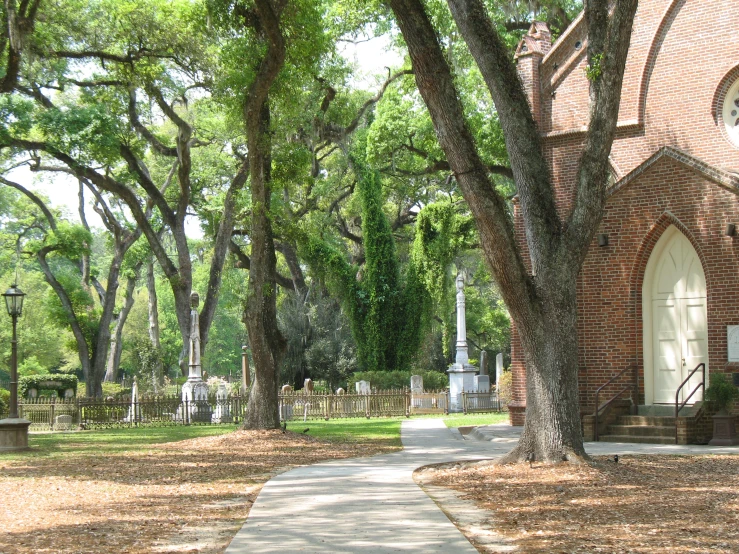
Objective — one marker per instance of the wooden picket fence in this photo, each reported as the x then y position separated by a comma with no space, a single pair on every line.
95,413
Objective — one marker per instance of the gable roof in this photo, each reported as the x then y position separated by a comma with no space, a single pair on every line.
727,179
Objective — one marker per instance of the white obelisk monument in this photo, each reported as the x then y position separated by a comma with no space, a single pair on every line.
461,373
195,391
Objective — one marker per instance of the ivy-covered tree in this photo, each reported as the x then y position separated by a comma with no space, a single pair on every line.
386,309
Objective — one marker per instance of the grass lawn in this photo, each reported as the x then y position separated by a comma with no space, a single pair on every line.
113,440
382,431
461,420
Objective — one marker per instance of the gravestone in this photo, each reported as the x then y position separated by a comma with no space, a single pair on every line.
461,372
134,411
63,422
498,369
482,383
223,408
363,387
483,363
286,404
340,391
32,393
68,393
308,386
416,384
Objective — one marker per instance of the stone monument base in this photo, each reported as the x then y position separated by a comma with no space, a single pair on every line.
461,379
195,405
14,434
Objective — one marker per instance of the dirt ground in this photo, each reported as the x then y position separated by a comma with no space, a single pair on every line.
188,496
642,504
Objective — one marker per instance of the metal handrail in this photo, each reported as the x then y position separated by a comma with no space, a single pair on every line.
613,398
677,394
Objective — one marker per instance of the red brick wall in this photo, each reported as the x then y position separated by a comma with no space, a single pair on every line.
683,58
610,288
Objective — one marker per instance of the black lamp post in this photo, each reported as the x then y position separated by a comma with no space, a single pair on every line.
14,431
14,303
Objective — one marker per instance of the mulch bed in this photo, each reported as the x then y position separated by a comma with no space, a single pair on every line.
642,504
188,496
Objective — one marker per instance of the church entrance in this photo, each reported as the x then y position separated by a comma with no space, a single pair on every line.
675,318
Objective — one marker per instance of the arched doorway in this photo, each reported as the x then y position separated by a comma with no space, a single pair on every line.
675,318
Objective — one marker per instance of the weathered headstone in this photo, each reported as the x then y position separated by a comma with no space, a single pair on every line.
416,384
223,408
498,369
483,363
68,393
340,391
363,387
63,422
286,388
461,373
482,383
134,411
308,386
32,393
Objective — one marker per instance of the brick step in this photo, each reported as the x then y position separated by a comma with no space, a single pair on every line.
658,421
642,440
642,430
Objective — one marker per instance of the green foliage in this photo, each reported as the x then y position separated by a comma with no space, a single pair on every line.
386,311
594,70
31,366
109,389
382,380
4,402
58,382
505,387
440,233
319,340
721,392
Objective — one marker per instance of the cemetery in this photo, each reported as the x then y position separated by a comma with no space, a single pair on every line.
339,276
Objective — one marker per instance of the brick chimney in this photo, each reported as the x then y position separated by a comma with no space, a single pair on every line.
531,50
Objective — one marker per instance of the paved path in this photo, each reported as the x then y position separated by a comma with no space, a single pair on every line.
372,505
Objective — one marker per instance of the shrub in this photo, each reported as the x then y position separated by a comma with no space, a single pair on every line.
505,387
721,392
58,382
4,401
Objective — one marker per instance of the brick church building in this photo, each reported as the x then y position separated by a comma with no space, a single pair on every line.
659,289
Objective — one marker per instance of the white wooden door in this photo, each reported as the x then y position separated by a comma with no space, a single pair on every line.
679,318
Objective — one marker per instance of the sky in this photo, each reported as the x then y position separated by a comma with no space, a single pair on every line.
371,57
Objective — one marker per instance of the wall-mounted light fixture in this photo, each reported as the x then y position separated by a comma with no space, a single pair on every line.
731,229
602,239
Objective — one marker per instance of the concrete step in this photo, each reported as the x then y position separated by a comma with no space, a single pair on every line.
646,420
642,430
641,440
668,410
657,410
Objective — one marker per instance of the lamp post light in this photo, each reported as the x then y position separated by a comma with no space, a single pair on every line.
14,430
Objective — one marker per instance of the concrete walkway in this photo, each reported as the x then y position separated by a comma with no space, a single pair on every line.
372,505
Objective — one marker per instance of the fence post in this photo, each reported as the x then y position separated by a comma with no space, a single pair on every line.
407,403
329,401
52,409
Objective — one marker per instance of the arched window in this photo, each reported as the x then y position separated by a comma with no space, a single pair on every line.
731,113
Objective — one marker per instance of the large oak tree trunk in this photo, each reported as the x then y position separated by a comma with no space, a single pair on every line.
267,343
543,301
